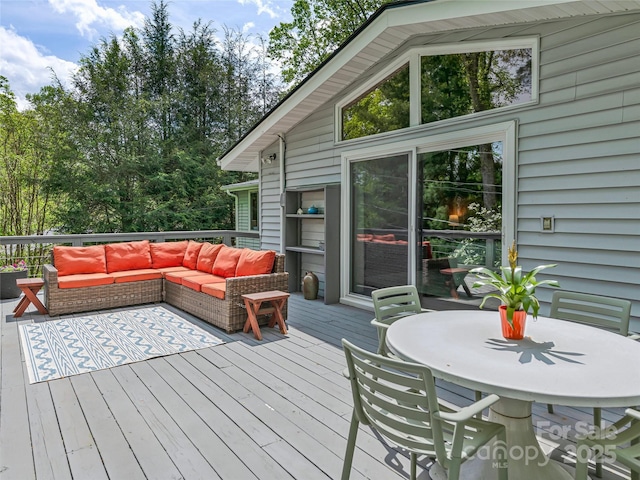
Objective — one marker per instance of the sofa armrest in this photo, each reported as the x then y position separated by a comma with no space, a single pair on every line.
50,277
257,283
50,274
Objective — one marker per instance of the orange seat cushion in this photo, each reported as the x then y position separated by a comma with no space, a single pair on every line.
190,259
176,277
196,282
167,254
84,280
128,256
207,256
215,289
253,262
226,262
166,270
136,275
74,260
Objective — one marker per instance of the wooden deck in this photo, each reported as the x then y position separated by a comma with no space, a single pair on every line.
272,410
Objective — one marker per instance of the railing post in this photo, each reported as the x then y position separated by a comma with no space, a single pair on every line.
490,253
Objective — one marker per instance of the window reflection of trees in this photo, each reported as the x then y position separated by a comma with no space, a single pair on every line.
380,188
452,179
382,109
452,86
460,84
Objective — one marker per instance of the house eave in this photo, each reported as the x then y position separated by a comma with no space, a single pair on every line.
239,187
386,30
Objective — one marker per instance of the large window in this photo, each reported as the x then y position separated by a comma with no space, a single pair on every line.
441,82
382,109
459,84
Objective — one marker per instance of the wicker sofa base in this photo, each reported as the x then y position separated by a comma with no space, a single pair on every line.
228,314
73,300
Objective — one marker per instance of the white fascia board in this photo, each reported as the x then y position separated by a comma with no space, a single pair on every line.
424,13
451,9
306,90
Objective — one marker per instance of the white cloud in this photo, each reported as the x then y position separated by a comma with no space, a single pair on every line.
27,68
263,7
89,13
247,27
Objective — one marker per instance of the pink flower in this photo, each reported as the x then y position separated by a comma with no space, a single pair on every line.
15,267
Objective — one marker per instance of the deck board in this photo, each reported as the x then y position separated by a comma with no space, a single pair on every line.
82,452
272,410
49,457
149,452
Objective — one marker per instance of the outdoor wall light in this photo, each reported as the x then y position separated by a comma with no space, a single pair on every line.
268,159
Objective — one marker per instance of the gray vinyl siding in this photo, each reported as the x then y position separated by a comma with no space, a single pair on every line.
270,229
243,211
243,221
579,159
311,155
578,152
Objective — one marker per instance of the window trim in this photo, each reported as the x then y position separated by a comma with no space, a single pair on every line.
413,57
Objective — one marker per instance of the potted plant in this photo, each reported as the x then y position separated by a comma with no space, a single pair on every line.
516,290
8,276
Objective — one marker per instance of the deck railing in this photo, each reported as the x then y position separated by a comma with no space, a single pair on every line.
470,248
35,250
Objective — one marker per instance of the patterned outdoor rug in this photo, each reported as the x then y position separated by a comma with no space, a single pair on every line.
60,348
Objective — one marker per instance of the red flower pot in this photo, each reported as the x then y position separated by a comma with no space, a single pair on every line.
515,332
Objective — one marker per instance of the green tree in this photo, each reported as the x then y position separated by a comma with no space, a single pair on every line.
317,29
27,147
149,114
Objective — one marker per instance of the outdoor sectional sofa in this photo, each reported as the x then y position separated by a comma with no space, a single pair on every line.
204,279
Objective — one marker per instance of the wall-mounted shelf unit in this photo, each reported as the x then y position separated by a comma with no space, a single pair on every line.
312,240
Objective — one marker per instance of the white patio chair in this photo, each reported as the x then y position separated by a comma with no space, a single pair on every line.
391,304
398,399
604,312
620,443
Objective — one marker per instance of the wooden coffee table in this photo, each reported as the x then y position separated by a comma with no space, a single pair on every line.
254,301
30,287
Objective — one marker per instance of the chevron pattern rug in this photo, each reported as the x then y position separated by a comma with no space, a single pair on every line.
60,348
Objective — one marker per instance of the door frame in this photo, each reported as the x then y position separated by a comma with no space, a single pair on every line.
504,132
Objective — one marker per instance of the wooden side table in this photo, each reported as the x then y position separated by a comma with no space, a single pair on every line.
254,301
30,287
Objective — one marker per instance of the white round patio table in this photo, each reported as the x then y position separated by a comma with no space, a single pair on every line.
558,362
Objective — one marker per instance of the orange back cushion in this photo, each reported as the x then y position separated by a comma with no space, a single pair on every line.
128,256
190,259
207,256
390,237
74,260
252,262
226,262
167,254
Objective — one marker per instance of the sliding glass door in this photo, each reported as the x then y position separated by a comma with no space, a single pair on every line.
428,212
459,207
379,218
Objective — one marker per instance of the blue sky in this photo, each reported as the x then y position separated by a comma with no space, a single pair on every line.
39,35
